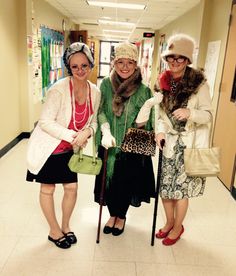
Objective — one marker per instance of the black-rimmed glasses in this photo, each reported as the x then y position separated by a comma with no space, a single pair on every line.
172,58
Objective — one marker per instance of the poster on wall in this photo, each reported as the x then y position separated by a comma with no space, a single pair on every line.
37,66
163,65
212,57
29,49
146,62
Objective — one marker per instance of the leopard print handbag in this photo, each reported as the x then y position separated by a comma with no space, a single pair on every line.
139,141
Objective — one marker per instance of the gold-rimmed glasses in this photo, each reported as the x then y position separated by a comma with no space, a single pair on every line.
75,67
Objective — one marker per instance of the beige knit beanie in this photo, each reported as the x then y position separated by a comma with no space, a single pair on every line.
180,44
126,50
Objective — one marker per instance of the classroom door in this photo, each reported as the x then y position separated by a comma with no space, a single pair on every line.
225,126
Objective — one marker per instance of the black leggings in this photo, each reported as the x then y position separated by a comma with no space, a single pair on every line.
118,199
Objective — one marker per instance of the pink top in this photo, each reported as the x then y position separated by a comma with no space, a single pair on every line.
79,118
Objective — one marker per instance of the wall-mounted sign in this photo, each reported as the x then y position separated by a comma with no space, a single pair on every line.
148,35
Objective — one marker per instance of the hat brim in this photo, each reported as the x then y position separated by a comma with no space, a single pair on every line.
171,52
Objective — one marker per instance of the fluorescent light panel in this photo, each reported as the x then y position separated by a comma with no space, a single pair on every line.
116,5
116,31
107,22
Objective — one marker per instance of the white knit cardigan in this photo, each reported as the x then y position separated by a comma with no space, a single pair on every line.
54,120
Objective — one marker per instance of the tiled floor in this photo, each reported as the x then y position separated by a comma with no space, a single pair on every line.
208,246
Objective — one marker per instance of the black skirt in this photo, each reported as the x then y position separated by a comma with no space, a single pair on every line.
55,170
133,174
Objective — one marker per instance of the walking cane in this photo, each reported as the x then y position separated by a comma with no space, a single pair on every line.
157,192
102,193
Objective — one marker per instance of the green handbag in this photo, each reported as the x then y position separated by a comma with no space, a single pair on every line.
85,164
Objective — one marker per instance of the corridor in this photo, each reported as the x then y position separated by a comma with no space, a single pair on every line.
207,247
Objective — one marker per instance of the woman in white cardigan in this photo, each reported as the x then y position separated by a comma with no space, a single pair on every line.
186,106
68,119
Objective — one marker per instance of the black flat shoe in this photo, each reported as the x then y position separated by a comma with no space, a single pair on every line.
61,242
117,231
107,229
70,237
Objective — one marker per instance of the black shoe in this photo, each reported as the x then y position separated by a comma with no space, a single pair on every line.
61,242
70,237
107,229
117,231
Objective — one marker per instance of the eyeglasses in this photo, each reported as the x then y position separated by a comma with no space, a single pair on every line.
83,67
179,59
121,64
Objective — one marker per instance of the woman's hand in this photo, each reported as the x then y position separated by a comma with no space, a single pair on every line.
158,138
81,138
181,114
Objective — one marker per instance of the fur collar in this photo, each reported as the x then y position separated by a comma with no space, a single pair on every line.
190,84
123,89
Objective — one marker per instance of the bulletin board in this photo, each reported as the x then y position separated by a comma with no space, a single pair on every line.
52,49
45,55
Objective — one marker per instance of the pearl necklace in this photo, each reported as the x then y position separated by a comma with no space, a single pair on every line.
84,112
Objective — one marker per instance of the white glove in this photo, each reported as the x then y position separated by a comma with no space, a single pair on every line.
145,110
108,140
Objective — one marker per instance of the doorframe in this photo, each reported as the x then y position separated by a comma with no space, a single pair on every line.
233,188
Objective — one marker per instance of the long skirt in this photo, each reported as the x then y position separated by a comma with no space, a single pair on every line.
133,176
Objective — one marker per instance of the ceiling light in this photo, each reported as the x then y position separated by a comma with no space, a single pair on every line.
107,22
116,5
117,31
121,36
106,17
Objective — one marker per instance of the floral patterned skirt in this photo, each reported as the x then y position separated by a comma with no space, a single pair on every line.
175,184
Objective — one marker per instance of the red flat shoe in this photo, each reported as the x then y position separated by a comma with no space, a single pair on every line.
161,235
168,241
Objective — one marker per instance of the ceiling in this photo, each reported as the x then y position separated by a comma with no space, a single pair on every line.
156,15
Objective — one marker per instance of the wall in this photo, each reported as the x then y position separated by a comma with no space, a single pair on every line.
189,23
215,27
45,14
18,111
206,22
9,72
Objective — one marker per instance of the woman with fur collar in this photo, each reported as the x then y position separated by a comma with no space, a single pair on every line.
68,119
186,105
130,178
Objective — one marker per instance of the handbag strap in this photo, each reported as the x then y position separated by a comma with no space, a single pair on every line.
210,134
156,116
126,116
93,150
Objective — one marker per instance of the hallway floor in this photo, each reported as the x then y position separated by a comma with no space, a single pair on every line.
207,247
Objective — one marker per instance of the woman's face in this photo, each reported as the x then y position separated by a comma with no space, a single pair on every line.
80,66
177,64
125,67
